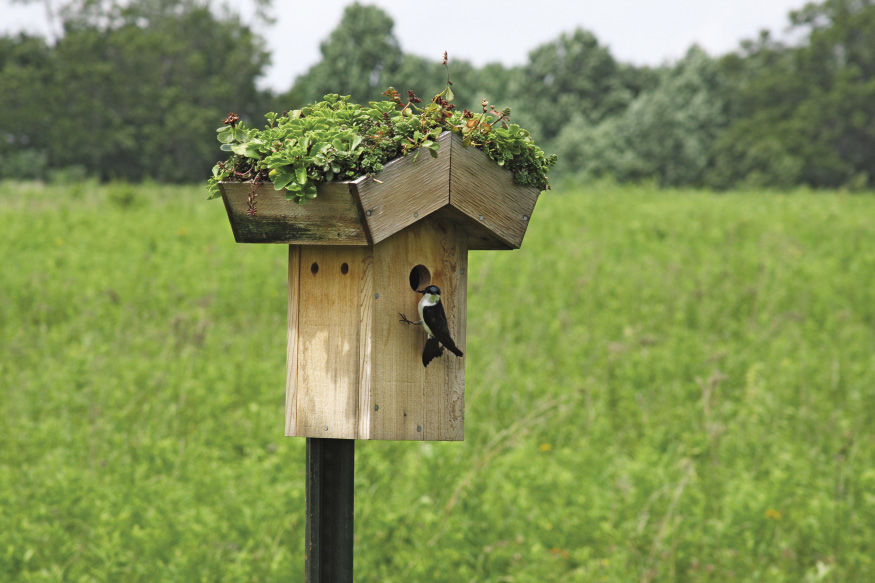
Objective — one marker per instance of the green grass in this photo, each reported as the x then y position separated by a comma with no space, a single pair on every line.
669,386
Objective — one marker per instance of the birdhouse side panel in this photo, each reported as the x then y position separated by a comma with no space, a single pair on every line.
410,401
324,376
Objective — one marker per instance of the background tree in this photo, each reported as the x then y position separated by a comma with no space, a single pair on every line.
666,134
803,114
357,58
132,90
574,74
25,80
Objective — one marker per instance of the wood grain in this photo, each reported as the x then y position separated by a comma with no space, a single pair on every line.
330,219
366,354
293,331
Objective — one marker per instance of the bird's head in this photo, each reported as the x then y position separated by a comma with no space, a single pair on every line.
431,290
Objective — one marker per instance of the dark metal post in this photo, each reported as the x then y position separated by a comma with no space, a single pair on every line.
330,493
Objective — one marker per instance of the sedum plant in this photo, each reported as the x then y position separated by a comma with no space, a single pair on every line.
336,139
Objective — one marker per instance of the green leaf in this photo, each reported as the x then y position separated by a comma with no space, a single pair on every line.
282,178
224,134
301,175
249,149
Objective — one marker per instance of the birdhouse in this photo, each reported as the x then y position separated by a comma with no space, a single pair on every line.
358,253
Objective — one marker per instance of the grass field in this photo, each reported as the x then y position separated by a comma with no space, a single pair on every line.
661,387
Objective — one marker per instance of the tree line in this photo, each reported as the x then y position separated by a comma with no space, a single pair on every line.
134,90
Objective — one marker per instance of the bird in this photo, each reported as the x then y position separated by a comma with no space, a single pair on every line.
434,320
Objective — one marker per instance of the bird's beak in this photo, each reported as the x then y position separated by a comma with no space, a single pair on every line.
420,291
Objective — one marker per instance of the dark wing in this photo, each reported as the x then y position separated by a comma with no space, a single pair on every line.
436,319
432,349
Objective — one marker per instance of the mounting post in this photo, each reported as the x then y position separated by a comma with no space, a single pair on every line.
330,496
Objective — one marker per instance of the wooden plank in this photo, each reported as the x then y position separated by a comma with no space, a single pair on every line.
487,193
292,350
329,353
330,219
450,404
366,311
412,402
408,190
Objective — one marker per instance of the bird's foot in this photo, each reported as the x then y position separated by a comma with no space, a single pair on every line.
408,321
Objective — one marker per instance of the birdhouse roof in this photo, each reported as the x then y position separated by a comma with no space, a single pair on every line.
461,184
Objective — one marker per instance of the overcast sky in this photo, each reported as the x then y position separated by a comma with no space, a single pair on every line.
637,31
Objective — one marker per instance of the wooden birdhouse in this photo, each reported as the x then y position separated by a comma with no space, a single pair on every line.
357,255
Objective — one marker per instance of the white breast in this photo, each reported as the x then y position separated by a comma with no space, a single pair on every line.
427,300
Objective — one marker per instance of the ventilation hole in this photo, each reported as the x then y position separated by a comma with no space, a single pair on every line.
314,269
419,277
344,268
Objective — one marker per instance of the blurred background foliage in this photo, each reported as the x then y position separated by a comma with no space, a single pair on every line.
133,90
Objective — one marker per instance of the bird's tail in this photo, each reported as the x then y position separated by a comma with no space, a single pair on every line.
432,350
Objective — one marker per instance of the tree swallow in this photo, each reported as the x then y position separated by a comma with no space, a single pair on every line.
434,320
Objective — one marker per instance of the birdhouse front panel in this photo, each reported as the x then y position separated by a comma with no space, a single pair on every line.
355,368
